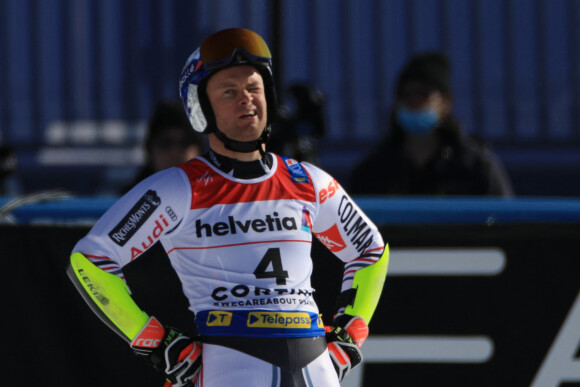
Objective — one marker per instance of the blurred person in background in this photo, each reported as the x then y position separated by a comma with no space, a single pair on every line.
169,140
301,124
8,167
426,151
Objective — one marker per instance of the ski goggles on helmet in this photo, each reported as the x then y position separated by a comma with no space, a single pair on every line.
234,45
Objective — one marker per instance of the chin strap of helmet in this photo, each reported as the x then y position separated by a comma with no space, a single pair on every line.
244,146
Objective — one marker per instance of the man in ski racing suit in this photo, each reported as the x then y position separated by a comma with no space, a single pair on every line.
237,226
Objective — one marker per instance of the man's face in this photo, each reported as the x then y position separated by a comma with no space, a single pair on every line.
238,100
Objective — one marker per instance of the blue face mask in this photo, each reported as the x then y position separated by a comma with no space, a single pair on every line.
417,121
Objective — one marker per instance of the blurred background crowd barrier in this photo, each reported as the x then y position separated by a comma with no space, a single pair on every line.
480,292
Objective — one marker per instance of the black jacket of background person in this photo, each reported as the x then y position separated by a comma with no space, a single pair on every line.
463,165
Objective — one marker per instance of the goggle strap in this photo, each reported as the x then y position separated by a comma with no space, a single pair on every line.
236,58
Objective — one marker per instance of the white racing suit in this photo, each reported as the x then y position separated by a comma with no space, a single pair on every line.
241,248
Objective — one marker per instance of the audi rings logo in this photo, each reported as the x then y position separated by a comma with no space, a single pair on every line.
169,211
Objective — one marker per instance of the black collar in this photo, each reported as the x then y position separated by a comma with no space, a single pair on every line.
240,169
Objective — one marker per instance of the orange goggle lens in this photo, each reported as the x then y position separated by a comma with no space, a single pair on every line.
221,47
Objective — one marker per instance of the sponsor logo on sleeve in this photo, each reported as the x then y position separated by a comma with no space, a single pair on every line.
135,218
354,225
331,239
160,227
328,192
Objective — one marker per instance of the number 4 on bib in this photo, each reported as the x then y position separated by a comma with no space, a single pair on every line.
273,261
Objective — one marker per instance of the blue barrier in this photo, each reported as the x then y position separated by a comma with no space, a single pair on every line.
382,210
470,210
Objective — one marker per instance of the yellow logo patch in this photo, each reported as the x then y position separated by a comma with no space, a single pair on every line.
292,320
219,318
